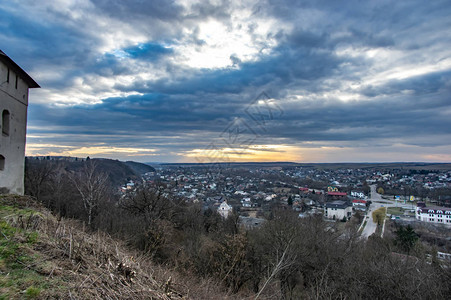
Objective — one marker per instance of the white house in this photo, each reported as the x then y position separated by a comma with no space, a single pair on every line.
246,202
224,209
337,210
433,214
356,194
14,85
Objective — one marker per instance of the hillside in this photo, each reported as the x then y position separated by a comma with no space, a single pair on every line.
45,257
118,172
139,168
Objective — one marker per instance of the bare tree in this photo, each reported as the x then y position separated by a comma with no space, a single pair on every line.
149,203
279,244
155,218
37,175
281,264
91,185
61,192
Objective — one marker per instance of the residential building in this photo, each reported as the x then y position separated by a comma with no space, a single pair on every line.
433,214
356,194
338,209
336,196
359,204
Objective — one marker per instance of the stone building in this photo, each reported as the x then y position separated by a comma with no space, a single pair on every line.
14,85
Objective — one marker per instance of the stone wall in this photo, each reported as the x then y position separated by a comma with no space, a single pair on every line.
13,113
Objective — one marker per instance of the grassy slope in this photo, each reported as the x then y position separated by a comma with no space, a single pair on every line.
45,258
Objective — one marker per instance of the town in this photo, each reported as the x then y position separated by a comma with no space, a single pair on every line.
337,193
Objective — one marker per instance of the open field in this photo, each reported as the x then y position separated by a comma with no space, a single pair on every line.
398,211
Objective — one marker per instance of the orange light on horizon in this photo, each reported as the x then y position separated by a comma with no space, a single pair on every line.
255,153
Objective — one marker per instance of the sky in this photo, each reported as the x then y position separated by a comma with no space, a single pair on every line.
206,81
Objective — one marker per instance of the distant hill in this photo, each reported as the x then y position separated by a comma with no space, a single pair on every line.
118,172
389,165
139,168
233,164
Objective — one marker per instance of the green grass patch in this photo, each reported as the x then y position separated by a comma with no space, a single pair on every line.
22,283
32,237
18,260
397,211
32,292
8,247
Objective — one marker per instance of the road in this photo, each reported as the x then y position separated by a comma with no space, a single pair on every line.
370,227
377,202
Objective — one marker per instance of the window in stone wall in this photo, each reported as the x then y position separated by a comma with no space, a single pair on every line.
5,122
2,162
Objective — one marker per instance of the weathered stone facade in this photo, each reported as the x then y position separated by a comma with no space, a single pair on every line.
14,85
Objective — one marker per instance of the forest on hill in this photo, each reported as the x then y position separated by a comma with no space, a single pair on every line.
118,172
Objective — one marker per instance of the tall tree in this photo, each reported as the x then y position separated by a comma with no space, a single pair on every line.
91,185
37,176
406,238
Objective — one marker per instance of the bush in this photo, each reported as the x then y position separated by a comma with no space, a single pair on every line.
379,215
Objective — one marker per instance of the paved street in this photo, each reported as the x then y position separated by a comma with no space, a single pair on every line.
370,227
376,200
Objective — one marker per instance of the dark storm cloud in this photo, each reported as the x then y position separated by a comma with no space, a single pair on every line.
161,17
160,9
398,116
53,43
391,118
178,108
286,66
164,10
134,115
110,65
404,24
419,85
49,44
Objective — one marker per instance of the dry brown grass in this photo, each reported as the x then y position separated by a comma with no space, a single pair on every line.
78,264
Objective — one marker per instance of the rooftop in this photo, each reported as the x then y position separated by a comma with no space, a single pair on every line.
18,70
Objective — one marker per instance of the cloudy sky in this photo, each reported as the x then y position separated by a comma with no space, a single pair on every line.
202,81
